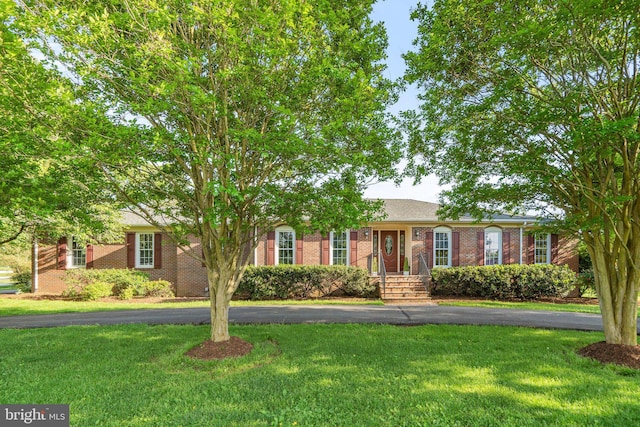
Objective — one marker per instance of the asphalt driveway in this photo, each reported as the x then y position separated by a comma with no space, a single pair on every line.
387,314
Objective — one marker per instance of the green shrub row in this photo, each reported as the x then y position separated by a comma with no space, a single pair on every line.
504,281
94,284
304,281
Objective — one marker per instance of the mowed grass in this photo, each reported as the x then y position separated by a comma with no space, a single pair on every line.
319,375
527,305
19,307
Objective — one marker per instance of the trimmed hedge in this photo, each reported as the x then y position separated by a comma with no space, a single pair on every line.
304,281
123,283
504,281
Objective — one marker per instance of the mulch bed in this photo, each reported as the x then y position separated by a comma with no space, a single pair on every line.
209,350
619,354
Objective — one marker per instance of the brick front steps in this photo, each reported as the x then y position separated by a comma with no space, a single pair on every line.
403,289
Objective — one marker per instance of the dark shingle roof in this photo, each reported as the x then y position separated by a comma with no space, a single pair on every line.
132,219
407,210
397,210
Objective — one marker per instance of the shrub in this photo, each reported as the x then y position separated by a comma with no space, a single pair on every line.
504,281
95,290
120,280
22,281
156,288
126,293
304,281
584,259
586,281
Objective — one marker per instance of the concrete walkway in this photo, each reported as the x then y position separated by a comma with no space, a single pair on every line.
282,314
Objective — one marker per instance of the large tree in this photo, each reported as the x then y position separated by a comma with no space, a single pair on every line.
250,114
534,105
47,185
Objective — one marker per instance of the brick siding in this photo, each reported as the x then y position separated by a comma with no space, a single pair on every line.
183,268
104,256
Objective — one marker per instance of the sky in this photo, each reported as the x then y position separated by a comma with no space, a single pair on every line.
401,32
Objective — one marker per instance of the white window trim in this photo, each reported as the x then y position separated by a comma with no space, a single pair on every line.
535,249
277,248
70,255
447,231
347,248
153,249
493,230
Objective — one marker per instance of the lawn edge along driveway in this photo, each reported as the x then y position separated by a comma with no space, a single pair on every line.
279,314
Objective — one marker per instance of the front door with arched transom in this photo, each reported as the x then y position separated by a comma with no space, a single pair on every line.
389,249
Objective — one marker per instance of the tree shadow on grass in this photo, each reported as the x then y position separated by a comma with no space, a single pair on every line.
318,375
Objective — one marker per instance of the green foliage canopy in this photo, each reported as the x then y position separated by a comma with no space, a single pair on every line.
248,114
534,105
47,185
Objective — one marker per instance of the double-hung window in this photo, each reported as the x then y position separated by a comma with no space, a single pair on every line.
442,247
339,248
285,245
542,248
144,250
77,256
492,246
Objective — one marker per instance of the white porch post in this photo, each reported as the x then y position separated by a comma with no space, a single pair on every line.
34,265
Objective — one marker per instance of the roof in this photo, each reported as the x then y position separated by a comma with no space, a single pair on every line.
132,219
397,210
408,210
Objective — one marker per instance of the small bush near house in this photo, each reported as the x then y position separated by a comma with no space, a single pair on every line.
586,281
22,281
504,281
120,279
17,257
126,293
156,288
305,281
95,290
124,284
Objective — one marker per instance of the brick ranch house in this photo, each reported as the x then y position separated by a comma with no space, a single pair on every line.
410,228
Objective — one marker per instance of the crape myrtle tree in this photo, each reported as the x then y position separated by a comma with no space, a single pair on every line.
533,105
47,186
249,114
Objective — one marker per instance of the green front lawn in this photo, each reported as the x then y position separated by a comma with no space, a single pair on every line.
18,307
319,375
527,305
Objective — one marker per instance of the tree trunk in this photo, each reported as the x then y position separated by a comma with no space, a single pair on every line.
219,306
618,298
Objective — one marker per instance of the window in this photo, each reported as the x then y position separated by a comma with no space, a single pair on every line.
492,246
442,247
339,248
77,255
285,246
144,250
542,248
